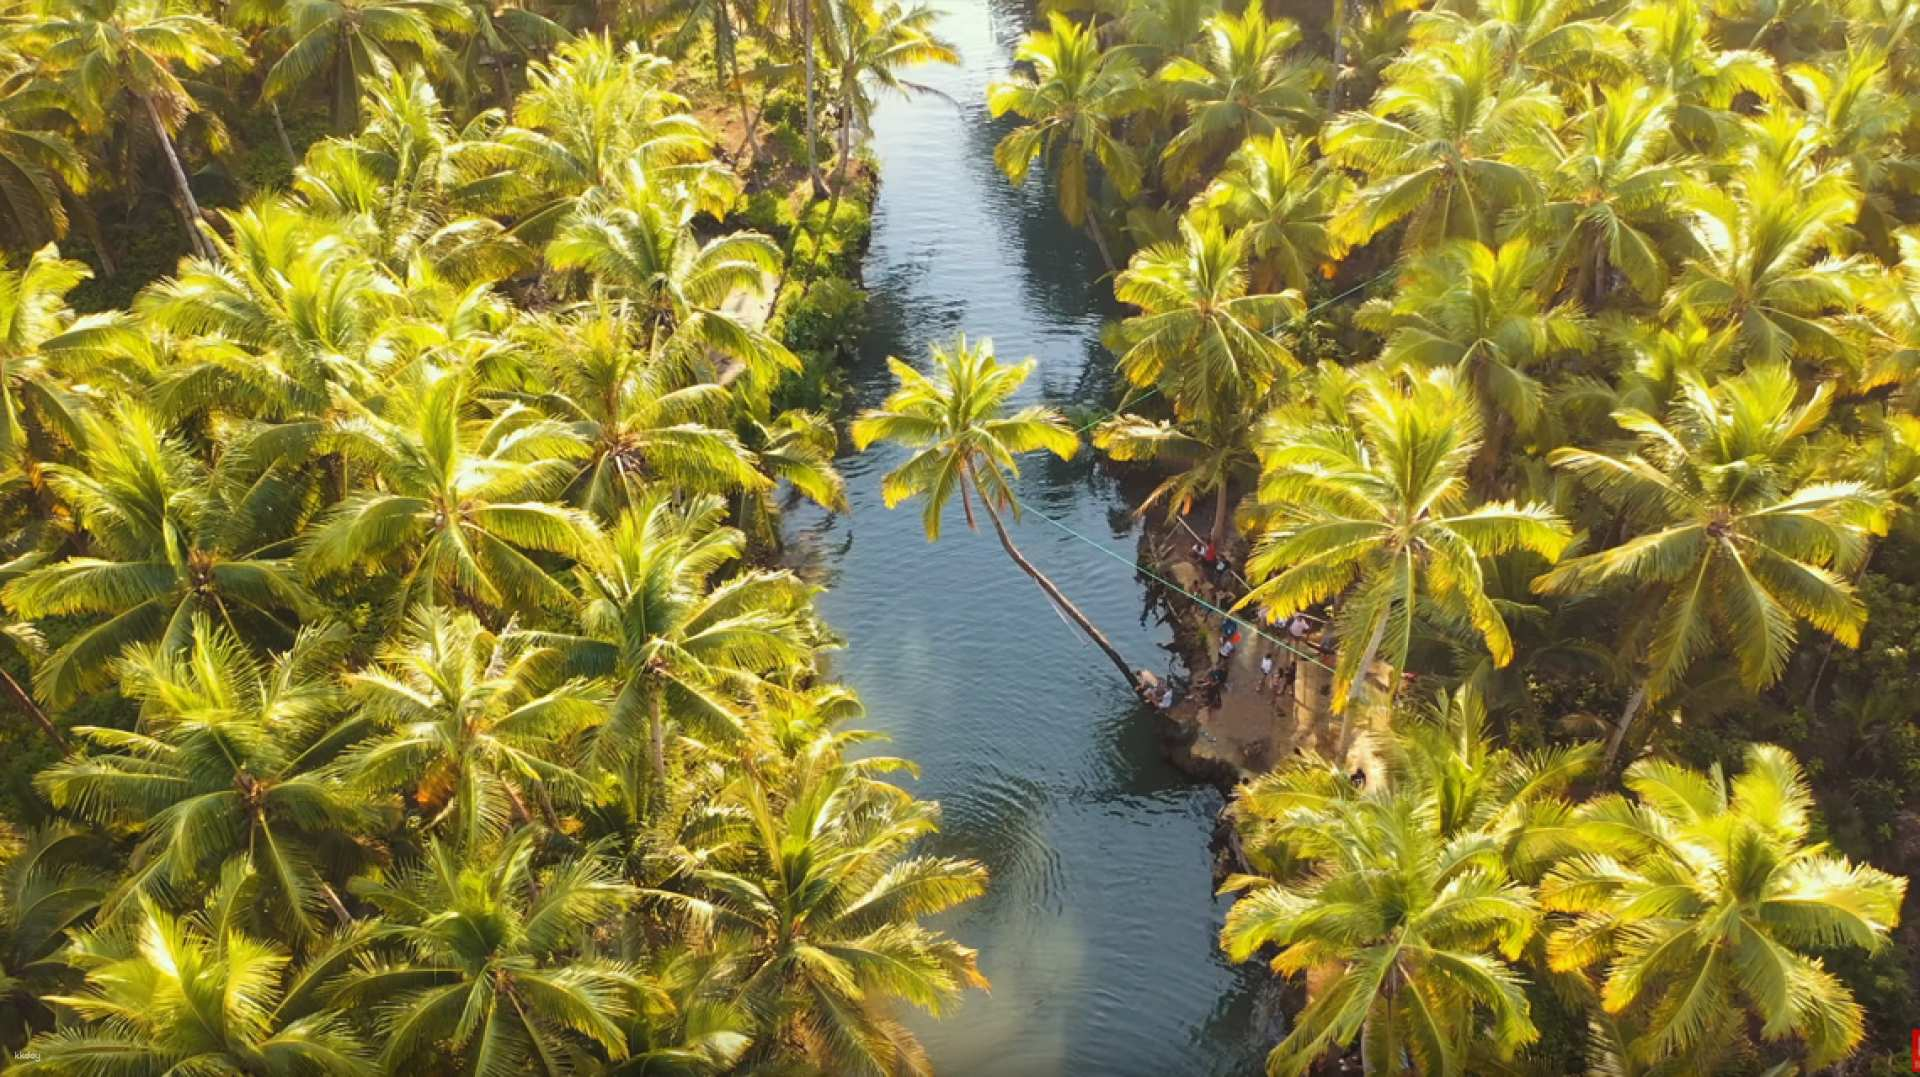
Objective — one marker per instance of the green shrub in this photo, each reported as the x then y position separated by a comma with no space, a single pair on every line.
823,325
841,243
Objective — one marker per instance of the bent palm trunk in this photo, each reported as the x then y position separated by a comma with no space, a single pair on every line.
1632,710
190,207
813,136
1098,637
1359,681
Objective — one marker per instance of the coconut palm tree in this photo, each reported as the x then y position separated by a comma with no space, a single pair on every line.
498,36
1373,509
39,165
681,648
461,724
229,762
44,349
1858,116
591,372
1612,189
1208,345
165,542
1415,926
1727,549
1432,146
492,963
1673,50
1765,265
345,42
1209,459
463,512
826,903
1482,311
1241,82
868,47
1566,44
1073,101
637,242
1695,904
1273,189
115,52
196,993
49,885
964,442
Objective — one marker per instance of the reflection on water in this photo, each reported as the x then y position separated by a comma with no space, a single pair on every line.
1098,931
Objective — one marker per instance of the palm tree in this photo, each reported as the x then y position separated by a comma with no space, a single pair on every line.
637,242
680,647
1612,188
491,961
1482,312
167,542
1564,43
39,165
868,48
1726,548
1672,49
1074,99
497,34
1432,146
1415,923
1275,191
1695,903
1372,508
461,724
588,112
1241,84
964,442
594,374
229,763
826,904
1209,459
48,887
347,42
1209,346
133,50
1763,265
168,995
463,510
44,349
1857,114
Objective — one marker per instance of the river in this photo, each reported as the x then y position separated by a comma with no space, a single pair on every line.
1098,931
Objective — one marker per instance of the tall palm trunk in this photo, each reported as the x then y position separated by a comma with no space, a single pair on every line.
280,130
1221,517
1100,243
1359,682
657,742
1339,28
189,207
1060,600
26,703
813,136
1635,703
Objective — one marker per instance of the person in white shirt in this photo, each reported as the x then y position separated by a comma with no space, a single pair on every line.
1266,669
1165,702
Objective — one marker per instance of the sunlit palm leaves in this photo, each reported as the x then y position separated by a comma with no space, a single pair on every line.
1242,82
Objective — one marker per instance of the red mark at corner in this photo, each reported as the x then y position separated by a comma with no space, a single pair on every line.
1916,1050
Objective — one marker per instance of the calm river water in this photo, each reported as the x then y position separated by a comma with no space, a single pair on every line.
1099,929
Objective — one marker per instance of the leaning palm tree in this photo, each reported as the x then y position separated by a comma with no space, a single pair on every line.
1242,82
344,42
461,724
1372,508
869,47
170,994
826,905
964,442
1695,904
489,961
462,510
1728,550
1073,103
683,649
132,52
229,762
165,542
1414,926
1432,145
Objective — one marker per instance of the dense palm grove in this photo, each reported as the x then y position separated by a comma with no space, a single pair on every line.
403,681
1564,356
